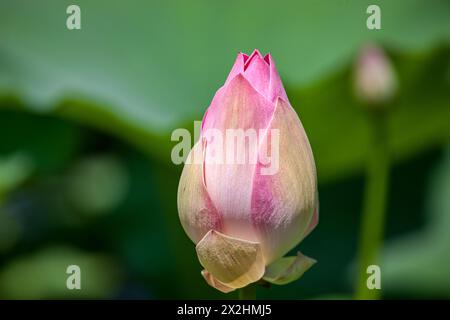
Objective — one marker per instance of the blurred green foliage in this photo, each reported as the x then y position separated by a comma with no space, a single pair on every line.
39,276
419,262
85,127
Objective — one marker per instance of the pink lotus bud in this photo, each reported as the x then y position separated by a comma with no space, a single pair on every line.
375,79
242,216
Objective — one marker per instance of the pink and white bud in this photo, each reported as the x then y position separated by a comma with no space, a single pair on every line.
375,79
240,218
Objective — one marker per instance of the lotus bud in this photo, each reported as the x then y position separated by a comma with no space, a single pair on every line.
246,204
375,79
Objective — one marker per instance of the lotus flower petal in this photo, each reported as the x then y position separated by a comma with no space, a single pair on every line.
213,282
238,106
238,67
257,72
283,204
286,270
234,262
197,213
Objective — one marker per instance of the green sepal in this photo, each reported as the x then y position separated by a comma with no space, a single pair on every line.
288,269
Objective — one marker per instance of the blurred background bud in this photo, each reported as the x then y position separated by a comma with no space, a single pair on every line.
375,79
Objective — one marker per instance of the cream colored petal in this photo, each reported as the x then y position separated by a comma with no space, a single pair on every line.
234,262
197,213
213,282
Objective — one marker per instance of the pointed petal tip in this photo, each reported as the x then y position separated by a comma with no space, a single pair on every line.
243,55
310,260
254,54
241,82
217,234
281,100
239,77
268,58
235,81
288,269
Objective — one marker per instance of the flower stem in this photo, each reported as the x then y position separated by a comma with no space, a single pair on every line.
247,293
372,227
